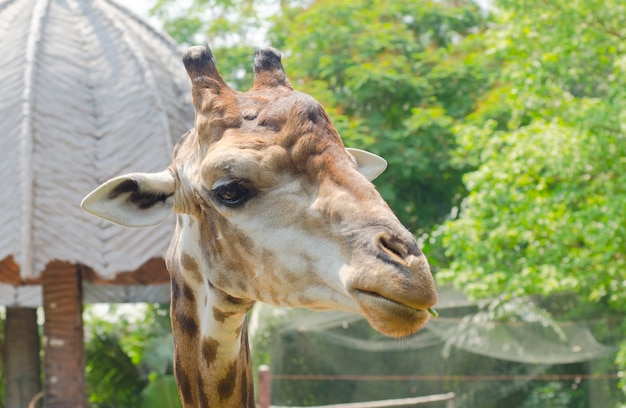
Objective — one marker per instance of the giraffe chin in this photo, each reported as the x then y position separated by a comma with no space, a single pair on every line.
389,317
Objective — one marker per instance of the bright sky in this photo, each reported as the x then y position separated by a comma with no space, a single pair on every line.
140,7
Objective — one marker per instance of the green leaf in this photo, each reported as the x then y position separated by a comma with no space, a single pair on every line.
161,393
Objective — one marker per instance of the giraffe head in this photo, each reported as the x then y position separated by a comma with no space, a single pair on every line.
273,208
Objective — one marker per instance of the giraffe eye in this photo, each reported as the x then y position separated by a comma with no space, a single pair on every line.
232,194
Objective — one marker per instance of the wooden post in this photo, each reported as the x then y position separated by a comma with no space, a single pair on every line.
265,387
21,356
452,401
64,350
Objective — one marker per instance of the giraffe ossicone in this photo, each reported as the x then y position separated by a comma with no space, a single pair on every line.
271,207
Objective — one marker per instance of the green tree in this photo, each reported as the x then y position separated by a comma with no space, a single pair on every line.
396,77
112,379
532,101
233,28
129,360
545,210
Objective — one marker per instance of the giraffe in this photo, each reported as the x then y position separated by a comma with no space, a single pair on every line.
272,207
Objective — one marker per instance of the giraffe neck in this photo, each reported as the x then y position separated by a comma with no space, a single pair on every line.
211,351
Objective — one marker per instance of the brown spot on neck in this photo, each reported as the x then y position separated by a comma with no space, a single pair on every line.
183,308
188,293
187,324
191,266
182,380
226,386
209,350
204,398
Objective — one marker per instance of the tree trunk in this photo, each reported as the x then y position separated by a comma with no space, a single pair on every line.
21,356
64,350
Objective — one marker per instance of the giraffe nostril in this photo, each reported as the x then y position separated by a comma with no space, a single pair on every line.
395,248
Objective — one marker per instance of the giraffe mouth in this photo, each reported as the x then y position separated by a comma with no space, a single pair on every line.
377,297
388,316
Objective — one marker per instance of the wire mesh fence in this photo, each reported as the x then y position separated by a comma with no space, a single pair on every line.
513,355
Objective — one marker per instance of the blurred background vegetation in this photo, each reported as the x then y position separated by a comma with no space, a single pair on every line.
504,125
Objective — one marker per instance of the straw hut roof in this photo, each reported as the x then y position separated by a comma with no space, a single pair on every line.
89,91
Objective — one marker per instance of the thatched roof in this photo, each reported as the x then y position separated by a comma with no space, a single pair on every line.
89,91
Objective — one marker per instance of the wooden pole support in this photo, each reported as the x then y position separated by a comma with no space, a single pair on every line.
64,350
21,356
265,387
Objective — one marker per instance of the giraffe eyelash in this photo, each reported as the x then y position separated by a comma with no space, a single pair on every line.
232,194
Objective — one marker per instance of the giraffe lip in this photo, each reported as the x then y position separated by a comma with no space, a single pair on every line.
388,316
383,300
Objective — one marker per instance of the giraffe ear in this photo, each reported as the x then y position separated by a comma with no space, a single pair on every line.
370,165
133,200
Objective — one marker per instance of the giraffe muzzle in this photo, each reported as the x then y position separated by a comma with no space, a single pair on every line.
396,291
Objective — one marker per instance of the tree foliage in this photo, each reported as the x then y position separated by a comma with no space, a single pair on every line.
511,126
395,76
112,378
233,28
129,359
545,210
